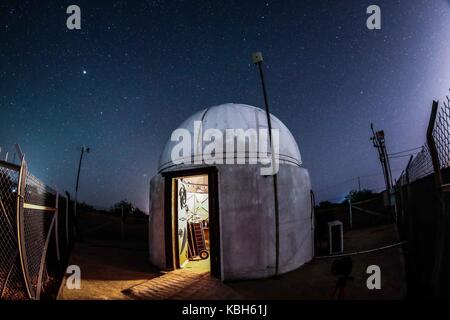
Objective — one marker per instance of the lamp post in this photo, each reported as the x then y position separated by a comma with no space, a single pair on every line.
83,149
257,59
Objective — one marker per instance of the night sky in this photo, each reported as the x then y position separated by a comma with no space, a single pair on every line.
137,69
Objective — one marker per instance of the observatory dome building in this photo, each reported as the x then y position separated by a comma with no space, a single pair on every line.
217,210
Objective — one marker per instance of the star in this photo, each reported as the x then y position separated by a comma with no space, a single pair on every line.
148,78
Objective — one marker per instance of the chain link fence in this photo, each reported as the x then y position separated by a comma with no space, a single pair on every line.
422,165
422,204
12,285
441,134
35,234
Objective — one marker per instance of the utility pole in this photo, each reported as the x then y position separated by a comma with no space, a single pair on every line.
359,184
83,149
257,59
379,143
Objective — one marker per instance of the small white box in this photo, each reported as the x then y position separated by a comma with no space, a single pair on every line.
336,229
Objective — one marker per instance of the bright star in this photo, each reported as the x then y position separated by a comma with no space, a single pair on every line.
84,72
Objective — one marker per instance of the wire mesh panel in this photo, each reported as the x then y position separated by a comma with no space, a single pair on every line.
441,134
37,222
39,194
11,280
36,233
421,166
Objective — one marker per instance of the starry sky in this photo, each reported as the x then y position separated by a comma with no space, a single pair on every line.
137,69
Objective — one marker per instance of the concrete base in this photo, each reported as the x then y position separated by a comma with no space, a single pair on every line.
247,221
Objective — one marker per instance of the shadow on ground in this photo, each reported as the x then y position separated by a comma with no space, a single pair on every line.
114,266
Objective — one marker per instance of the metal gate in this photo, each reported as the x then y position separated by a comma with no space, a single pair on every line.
12,285
31,237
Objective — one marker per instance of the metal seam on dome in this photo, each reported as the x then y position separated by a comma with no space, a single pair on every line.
256,111
169,165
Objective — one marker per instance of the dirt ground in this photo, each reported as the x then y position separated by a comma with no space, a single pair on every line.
110,260
112,263
314,281
107,271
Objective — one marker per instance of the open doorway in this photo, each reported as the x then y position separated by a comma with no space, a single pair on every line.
192,222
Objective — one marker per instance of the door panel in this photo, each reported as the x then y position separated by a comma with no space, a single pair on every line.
182,224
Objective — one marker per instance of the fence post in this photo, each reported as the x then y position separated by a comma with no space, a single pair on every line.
440,221
411,254
409,221
432,146
350,212
313,222
399,191
20,221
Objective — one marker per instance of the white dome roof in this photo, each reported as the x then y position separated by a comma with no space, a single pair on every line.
234,116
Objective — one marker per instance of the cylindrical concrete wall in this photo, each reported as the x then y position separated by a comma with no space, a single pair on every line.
247,221
156,236
247,218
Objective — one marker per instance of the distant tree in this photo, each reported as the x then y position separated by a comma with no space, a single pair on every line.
356,196
325,204
128,209
83,206
124,205
139,213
